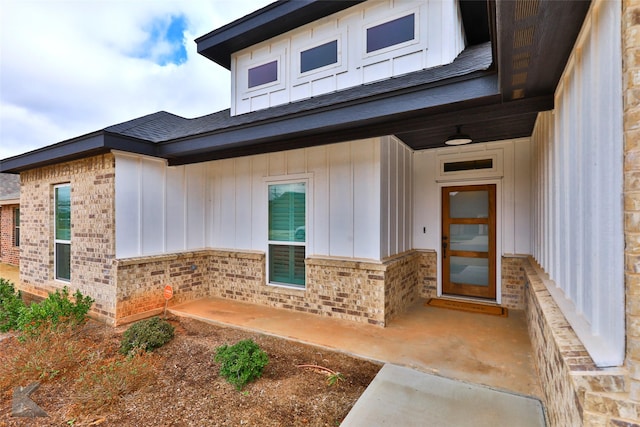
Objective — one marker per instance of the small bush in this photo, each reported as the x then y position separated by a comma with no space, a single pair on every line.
146,335
10,305
54,311
241,363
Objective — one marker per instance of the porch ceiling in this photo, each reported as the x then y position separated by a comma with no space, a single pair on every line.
533,40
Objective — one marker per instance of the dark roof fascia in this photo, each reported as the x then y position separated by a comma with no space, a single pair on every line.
263,24
482,88
76,148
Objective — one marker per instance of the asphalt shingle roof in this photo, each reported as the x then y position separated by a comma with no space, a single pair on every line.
163,126
9,186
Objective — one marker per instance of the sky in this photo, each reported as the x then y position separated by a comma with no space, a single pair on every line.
72,67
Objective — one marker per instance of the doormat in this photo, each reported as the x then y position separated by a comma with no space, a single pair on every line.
471,307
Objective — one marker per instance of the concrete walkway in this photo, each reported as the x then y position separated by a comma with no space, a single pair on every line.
400,396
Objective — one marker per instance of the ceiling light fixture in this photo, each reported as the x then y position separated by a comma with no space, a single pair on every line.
459,138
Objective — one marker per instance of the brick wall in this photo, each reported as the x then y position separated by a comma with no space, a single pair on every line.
354,290
9,253
428,274
92,230
513,283
576,391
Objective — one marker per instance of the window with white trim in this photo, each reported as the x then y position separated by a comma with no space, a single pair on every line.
391,33
263,74
287,233
62,232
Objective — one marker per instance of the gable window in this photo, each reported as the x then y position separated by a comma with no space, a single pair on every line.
287,233
263,74
62,231
319,56
16,227
391,33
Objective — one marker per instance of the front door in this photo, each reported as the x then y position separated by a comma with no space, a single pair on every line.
469,241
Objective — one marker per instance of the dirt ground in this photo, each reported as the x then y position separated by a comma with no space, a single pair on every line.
180,385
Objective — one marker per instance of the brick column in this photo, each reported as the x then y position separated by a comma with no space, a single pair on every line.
631,95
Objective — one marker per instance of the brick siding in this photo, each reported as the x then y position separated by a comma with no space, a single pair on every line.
9,252
92,230
576,392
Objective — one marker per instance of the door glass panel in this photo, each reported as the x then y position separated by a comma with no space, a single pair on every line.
469,237
469,271
469,204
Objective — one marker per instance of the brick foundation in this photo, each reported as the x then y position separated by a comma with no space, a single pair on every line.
576,392
354,290
9,252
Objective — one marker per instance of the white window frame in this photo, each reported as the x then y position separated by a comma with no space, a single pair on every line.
57,241
395,47
289,179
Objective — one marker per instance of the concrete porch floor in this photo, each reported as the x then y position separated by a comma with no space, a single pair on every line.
477,348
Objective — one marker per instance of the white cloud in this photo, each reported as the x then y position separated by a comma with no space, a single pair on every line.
70,67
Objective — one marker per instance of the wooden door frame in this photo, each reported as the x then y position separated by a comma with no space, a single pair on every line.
498,245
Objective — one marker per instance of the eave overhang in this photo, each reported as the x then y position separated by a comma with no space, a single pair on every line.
263,24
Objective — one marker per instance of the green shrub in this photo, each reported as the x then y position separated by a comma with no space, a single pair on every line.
146,335
241,363
56,310
10,305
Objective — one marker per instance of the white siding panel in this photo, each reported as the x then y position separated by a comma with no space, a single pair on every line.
319,234
127,183
243,199
578,167
366,195
196,197
226,238
340,201
259,226
385,191
153,212
175,208
508,200
522,197
296,162
408,63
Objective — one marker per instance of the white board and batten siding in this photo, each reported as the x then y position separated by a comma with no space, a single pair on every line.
223,204
439,38
577,194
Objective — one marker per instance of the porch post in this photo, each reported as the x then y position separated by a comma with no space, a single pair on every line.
631,117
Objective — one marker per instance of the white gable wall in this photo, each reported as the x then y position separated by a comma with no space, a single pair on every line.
359,201
439,39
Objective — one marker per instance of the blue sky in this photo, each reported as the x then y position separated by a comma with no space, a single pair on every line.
71,67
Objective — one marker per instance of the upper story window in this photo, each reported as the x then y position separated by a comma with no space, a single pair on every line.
263,74
319,56
391,33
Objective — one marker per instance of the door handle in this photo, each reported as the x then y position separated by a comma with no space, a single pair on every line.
444,249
